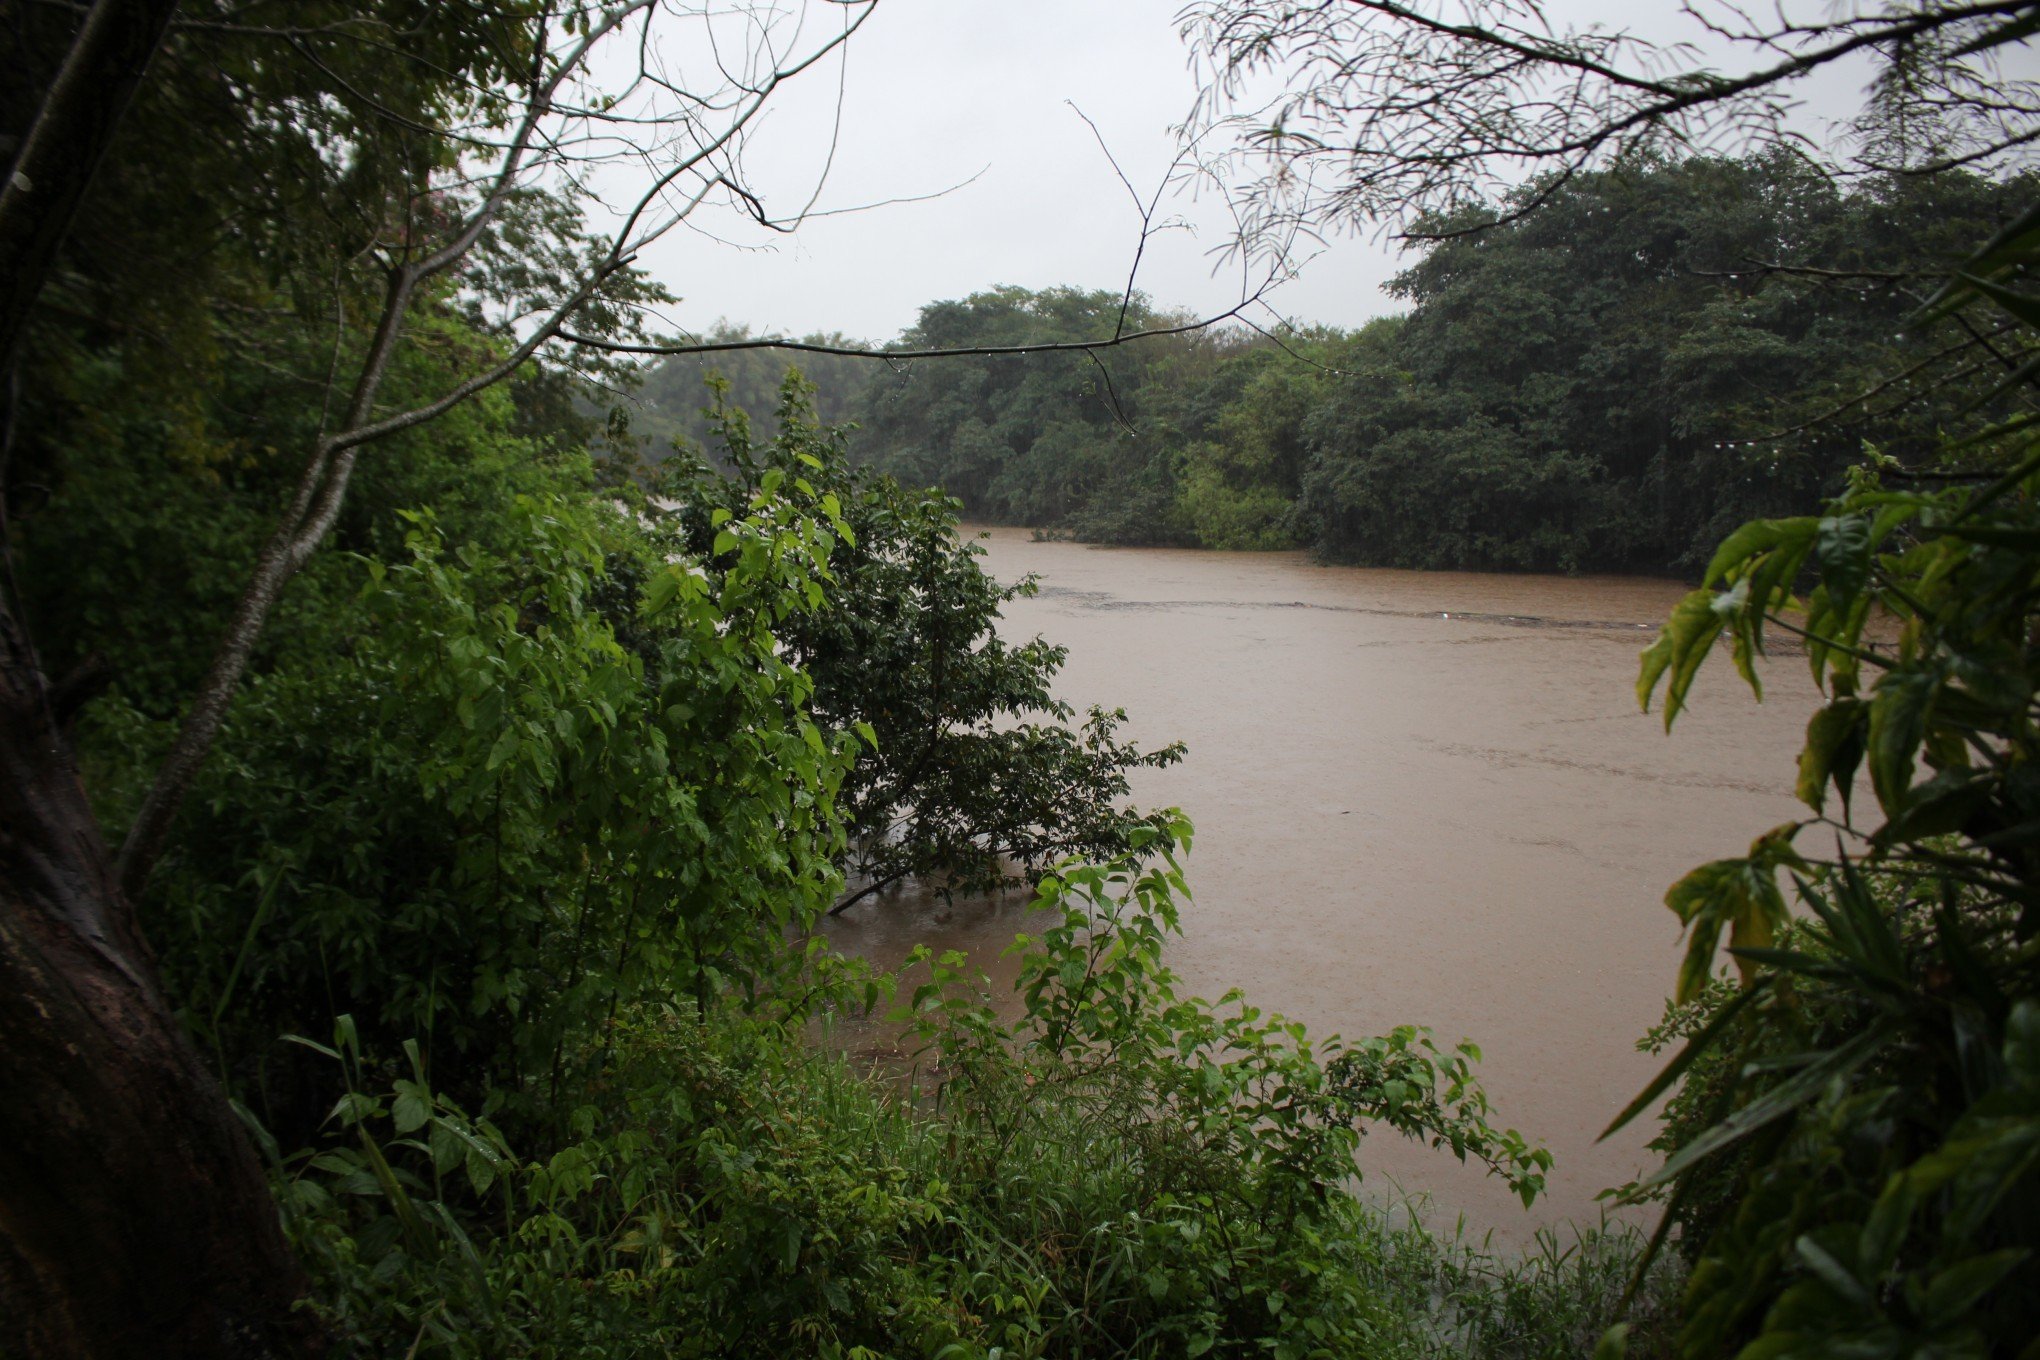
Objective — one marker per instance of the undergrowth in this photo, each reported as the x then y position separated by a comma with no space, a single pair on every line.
1121,1173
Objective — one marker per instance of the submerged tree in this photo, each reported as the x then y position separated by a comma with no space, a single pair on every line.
976,776
320,235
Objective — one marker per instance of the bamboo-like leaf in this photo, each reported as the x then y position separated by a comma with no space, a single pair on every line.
1958,1289
1687,1056
1836,1276
1776,1103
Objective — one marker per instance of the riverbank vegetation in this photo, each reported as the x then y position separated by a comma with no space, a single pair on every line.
456,988
1610,383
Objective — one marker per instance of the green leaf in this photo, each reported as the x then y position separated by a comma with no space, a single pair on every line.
1884,1231
1959,1288
1836,1276
1680,648
1755,537
1943,804
1898,725
1739,894
1695,1047
1835,742
1842,555
410,1109
1779,1101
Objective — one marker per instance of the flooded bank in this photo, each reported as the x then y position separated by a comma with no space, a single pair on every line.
1420,798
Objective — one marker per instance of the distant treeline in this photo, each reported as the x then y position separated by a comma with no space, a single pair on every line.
1609,383
670,408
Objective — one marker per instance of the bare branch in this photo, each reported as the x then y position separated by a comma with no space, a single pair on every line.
1416,109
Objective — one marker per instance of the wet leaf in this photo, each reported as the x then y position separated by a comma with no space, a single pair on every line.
1835,742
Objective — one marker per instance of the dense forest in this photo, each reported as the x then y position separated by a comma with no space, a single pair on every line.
1610,383
421,780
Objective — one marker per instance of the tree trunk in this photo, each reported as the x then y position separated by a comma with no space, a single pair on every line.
134,1217
63,146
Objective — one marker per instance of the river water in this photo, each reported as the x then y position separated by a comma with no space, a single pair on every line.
1420,798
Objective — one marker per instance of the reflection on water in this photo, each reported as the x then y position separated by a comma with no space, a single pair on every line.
1422,798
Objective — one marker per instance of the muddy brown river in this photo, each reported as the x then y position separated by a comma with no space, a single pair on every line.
1420,798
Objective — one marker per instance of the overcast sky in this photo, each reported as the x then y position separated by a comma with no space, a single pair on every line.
975,96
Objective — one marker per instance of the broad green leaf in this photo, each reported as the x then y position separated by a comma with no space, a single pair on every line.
1835,741
1941,805
1842,556
1958,1289
1680,648
1740,895
409,1111
1746,542
1899,712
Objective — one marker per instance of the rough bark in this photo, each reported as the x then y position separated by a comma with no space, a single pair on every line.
63,147
134,1217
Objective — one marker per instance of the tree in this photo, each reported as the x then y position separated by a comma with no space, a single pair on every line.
361,191
1608,383
1401,110
1854,1156
1852,1142
974,767
396,165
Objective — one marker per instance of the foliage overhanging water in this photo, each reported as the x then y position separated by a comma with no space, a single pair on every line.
1421,798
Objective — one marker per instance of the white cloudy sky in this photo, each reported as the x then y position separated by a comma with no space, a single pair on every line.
975,96
937,92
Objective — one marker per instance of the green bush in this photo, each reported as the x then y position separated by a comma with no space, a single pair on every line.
1122,1172
1855,1153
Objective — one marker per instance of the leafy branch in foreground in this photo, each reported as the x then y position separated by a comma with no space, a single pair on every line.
1873,1088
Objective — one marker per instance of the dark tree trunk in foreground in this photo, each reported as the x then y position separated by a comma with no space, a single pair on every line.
52,167
134,1217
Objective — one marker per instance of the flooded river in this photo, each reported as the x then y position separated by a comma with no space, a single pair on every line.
1420,798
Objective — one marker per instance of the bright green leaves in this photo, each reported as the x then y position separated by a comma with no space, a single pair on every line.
1404,1080
563,774
676,586
1855,1148
1758,565
1740,896
1681,646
